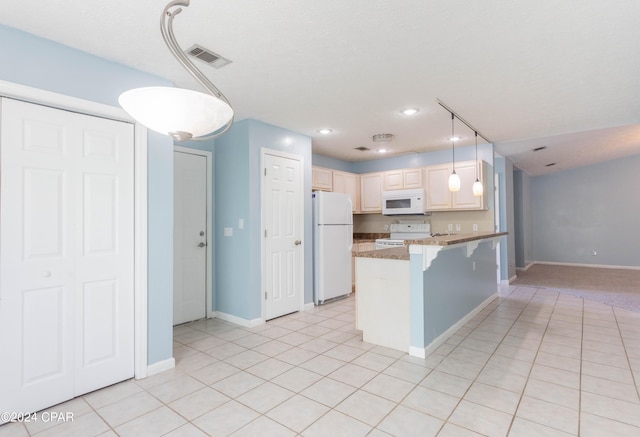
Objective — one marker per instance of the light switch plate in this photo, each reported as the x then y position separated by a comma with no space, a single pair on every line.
241,223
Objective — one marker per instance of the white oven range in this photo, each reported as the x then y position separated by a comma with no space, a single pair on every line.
404,231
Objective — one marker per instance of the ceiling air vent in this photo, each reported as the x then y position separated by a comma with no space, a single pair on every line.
550,164
537,149
362,148
207,56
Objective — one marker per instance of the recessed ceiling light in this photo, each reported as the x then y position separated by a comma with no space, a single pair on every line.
410,111
325,131
382,150
454,139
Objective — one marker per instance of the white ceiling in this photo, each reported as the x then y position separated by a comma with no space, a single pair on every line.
561,74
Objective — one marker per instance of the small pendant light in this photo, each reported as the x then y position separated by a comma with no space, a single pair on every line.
454,179
478,189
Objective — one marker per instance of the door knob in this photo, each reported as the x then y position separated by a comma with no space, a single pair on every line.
297,242
201,244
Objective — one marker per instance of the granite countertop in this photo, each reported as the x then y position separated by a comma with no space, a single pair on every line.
402,253
450,239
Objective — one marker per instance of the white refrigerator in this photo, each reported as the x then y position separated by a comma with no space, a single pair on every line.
332,243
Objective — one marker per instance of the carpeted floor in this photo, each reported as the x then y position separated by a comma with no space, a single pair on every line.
615,287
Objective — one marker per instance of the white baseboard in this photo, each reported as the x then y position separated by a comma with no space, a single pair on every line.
238,320
526,267
598,266
308,306
513,278
438,341
418,352
161,366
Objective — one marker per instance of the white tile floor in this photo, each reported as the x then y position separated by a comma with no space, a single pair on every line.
533,363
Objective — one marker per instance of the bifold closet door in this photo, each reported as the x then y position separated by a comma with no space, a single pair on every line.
66,258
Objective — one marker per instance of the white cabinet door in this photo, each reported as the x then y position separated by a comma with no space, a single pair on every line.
66,270
438,194
412,178
403,179
393,180
347,183
464,199
371,192
322,179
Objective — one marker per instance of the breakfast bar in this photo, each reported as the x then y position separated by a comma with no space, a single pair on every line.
413,298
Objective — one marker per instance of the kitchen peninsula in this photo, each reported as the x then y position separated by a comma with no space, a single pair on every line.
412,298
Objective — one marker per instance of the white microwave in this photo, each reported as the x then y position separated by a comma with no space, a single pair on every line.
403,202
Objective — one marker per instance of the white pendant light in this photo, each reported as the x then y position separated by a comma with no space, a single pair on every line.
478,188
454,179
180,113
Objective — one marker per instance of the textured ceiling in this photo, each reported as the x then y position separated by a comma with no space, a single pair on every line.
561,74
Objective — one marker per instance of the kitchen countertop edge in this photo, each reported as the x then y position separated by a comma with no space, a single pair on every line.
402,253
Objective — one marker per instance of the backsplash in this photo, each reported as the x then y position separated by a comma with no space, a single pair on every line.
376,223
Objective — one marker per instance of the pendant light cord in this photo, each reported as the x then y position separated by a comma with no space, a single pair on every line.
453,148
476,132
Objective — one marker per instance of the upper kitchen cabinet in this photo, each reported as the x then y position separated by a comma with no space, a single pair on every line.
347,183
439,198
322,179
371,192
403,179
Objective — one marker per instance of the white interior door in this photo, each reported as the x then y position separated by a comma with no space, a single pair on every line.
190,237
283,219
66,260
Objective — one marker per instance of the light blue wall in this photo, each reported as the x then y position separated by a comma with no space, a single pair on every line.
40,63
518,216
450,289
238,179
332,163
504,169
589,208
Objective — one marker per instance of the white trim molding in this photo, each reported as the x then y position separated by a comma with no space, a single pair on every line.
596,266
238,320
161,366
438,341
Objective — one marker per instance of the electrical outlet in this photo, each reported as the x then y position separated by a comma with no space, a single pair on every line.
449,227
228,232
241,223
385,228
458,227
475,227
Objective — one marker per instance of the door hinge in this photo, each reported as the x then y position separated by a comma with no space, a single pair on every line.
265,233
265,295
265,171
